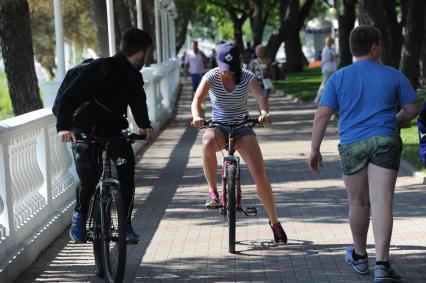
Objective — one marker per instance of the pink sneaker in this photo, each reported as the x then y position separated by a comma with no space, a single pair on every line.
279,234
213,200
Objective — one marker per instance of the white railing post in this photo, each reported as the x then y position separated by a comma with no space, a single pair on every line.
6,215
111,27
157,31
139,13
59,35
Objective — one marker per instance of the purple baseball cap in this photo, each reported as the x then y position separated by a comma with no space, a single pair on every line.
228,57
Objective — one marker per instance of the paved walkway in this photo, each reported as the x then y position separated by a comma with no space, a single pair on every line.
184,241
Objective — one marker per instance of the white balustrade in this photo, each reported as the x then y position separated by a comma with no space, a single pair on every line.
37,175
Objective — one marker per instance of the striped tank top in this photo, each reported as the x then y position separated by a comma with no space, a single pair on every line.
227,106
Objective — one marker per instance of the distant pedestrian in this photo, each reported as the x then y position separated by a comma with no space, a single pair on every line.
328,64
366,94
262,69
195,64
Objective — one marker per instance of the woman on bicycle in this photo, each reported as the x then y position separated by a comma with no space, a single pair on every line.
228,86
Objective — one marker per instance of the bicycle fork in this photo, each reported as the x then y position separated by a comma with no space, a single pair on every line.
230,160
248,211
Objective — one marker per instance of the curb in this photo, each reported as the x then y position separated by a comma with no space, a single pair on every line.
410,170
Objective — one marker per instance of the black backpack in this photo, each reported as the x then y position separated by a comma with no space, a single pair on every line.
90,112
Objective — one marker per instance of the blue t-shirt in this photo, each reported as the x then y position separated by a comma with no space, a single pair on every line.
366,94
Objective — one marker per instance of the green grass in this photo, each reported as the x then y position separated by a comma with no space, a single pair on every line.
6,110
410,138
304,85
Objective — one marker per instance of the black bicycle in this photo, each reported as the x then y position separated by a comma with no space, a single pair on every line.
107,225
231,185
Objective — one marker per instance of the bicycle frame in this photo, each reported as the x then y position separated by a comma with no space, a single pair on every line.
106,181
228,160
231,176
231,159
103,230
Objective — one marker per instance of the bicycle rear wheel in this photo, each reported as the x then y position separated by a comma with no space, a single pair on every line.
95,229
231,174
114,236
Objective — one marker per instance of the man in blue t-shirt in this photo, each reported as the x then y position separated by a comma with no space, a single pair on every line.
366,95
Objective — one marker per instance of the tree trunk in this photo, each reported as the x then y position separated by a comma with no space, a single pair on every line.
277,37
185,12
149,26
122,20
363,17
18,55
383,14
99,16
238,22
181,36
413,37
238,34
257,22
346,24
293,51
293,48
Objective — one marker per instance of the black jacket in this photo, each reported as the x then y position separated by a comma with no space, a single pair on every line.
115,84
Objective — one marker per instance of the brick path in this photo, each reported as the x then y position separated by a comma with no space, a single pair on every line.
182,241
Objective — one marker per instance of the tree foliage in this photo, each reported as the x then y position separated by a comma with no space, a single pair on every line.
77,24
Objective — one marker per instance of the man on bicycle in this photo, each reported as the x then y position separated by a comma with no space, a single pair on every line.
104,89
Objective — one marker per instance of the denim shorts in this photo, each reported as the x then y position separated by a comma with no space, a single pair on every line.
382,151
237,133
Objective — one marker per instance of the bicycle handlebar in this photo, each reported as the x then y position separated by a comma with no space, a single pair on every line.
132,137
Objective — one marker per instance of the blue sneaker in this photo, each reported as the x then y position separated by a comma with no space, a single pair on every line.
385,274
78,228
360,266
132,238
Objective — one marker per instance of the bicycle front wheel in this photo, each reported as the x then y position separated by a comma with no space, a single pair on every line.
95,228
231,173
114,236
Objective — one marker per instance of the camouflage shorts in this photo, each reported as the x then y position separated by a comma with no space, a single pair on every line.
382,151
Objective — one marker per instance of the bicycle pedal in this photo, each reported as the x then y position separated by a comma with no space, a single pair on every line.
250,211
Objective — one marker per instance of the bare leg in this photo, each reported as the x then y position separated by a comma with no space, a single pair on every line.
359,208
382,187
211,138
250,152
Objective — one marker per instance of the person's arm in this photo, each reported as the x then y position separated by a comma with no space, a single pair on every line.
261,100
321,119
407,99
137,103
199,97
407,112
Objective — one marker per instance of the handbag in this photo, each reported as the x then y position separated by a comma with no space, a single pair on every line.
267,83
